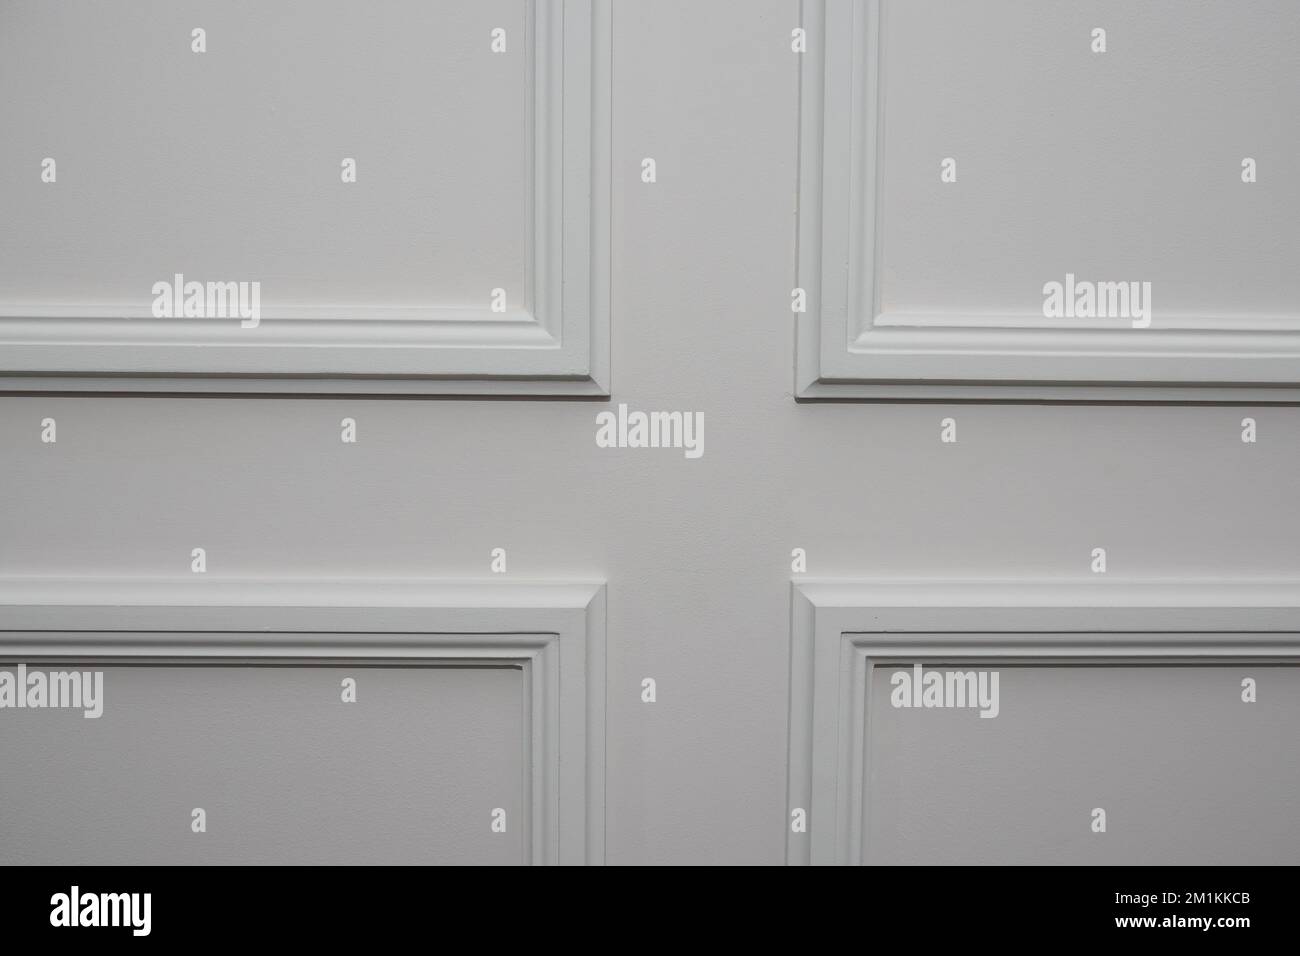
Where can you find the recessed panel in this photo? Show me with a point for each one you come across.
(1117, 166)
(1065, 722)
(284, 769)
(305, 197)
(230, 164)
(1185, 771)
(1048, 202)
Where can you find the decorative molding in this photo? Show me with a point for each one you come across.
(840, 631)
(554, 632)
(555, 343)
(847, 348)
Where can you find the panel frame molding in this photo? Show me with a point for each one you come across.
(841, 630)
(554, 342)
(555, 632)
(846, 348)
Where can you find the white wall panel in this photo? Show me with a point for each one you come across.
(1121, 170)
(1135, 733)
(475, 171)
(551, 635)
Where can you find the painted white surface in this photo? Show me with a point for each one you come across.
(1067, 165)
(465, 250)
(696, 553)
